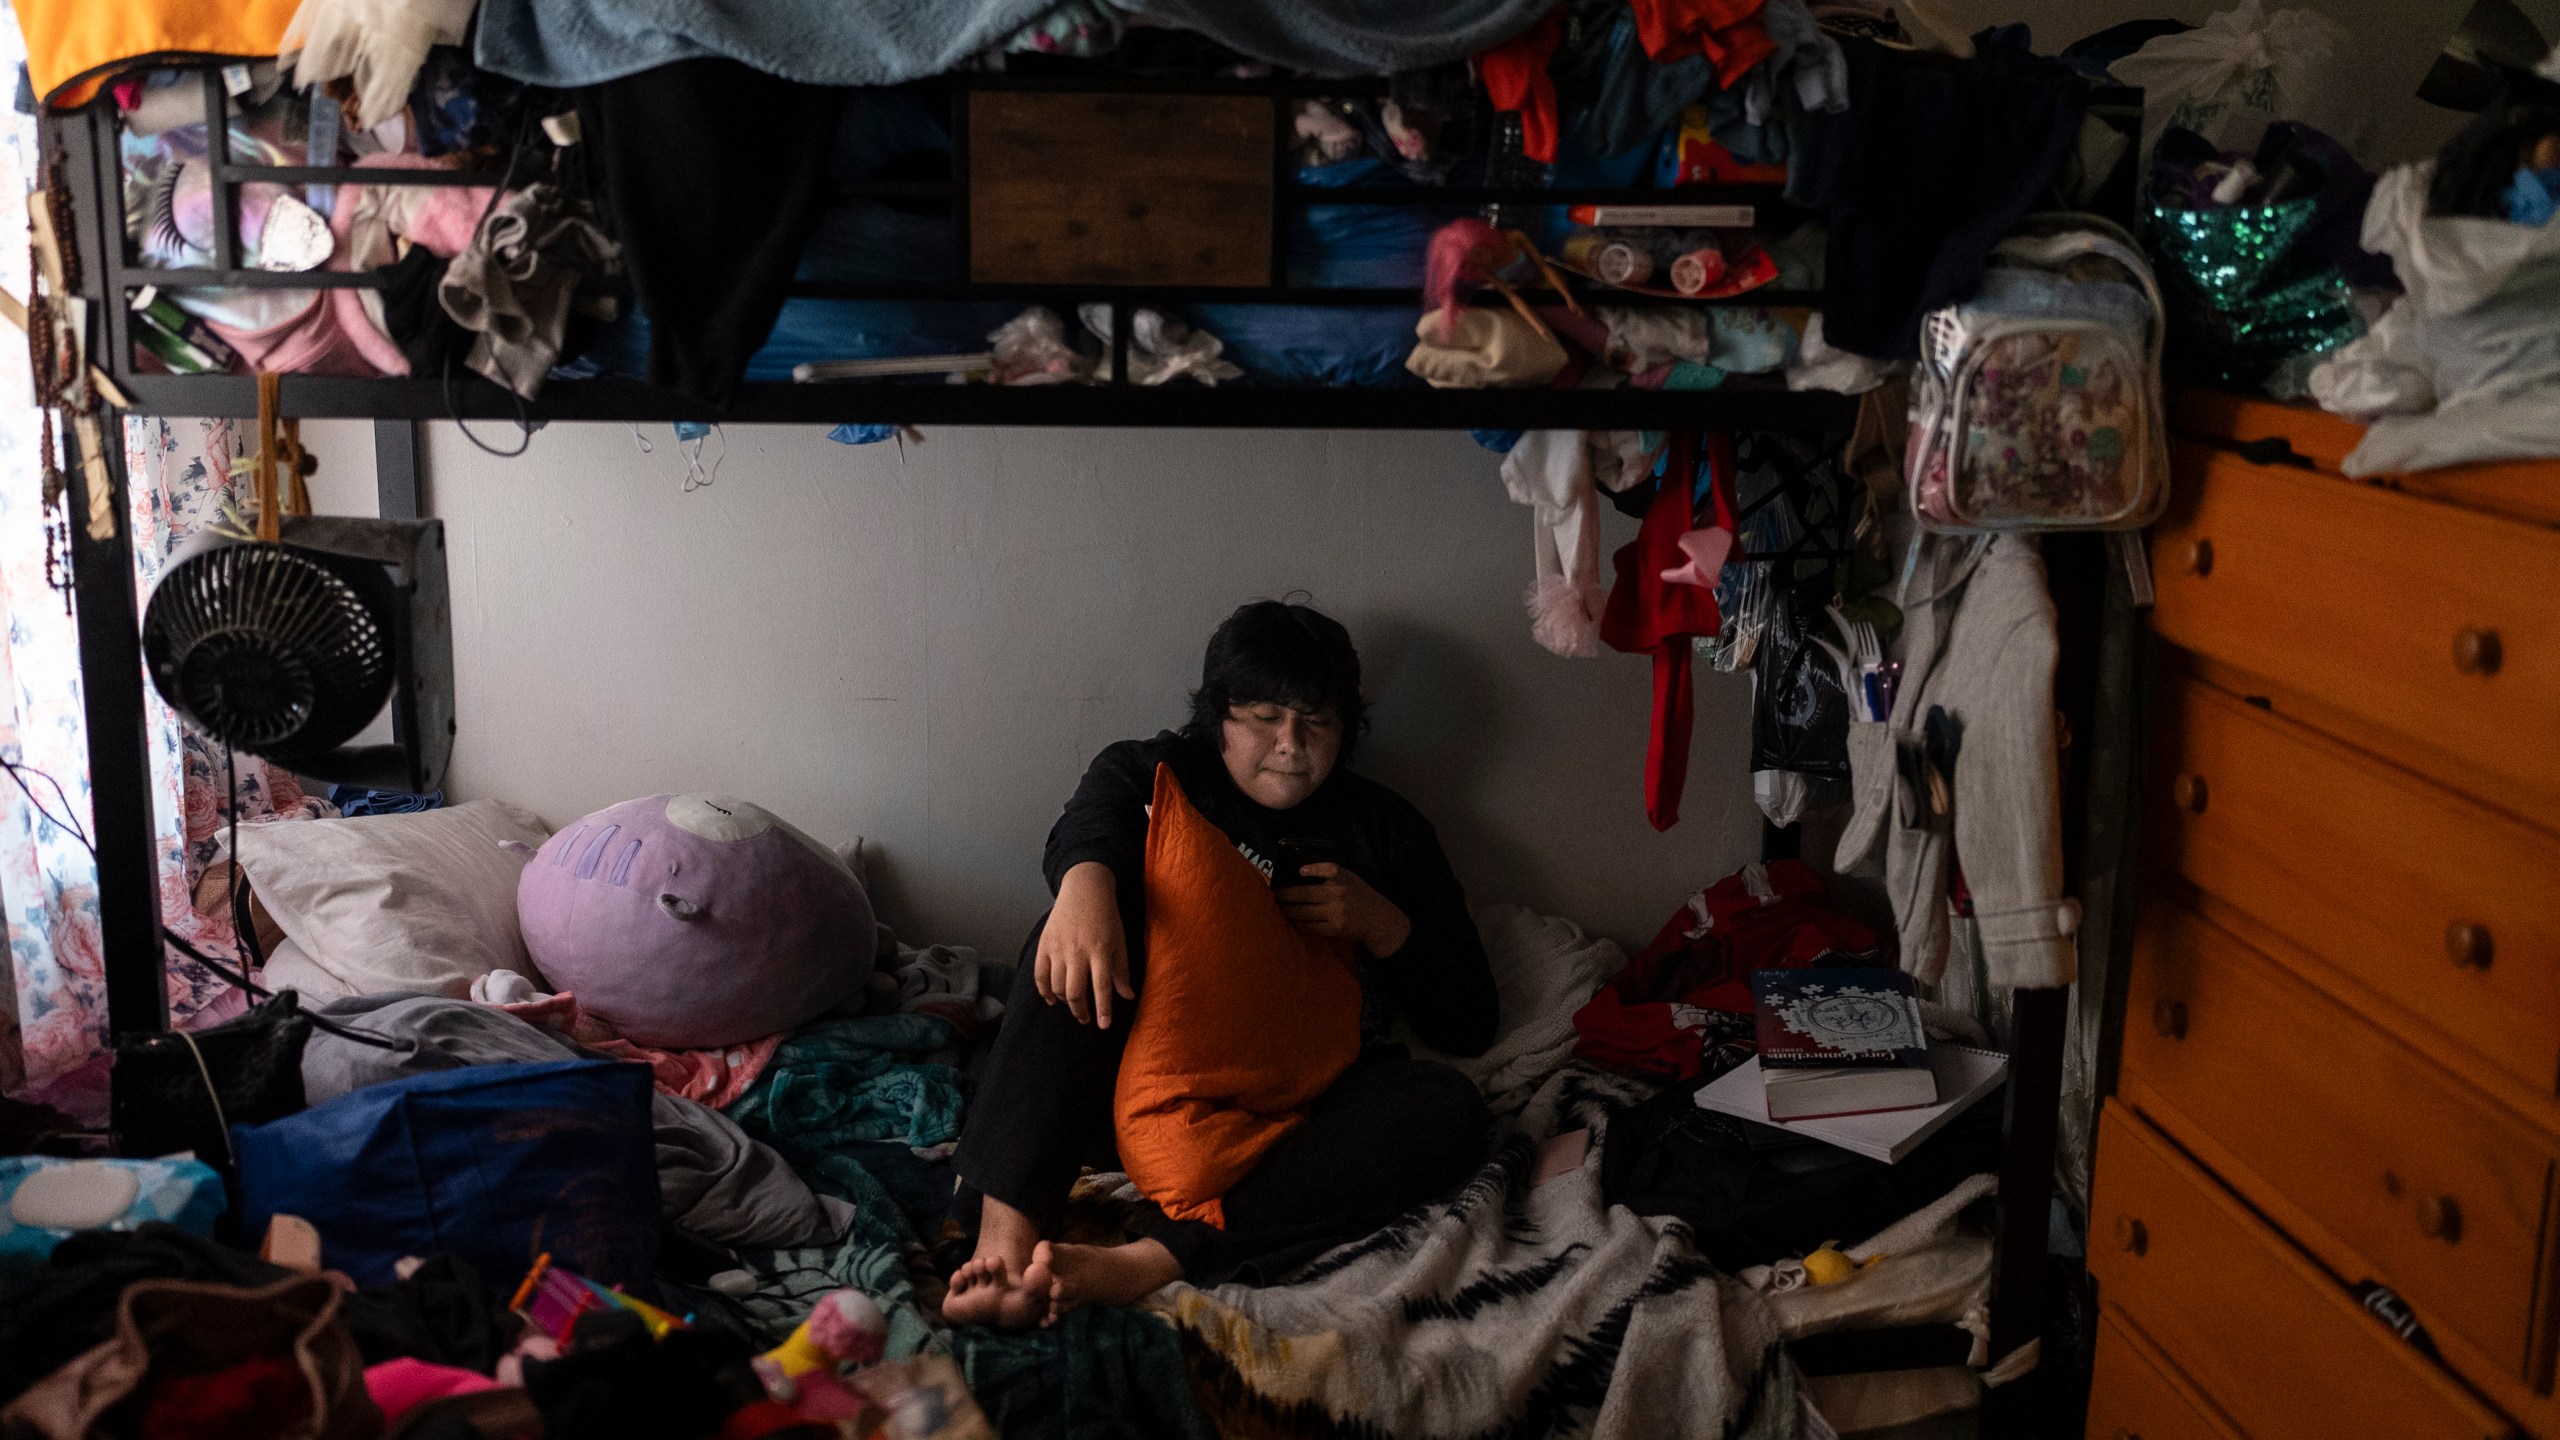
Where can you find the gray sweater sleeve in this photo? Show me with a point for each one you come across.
(1998, 680)
(1983, 651)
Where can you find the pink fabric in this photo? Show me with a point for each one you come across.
(441, 217)
(336, 333)
(713, 1077)
(334, 336)
(400, 1386)
(1705, 550)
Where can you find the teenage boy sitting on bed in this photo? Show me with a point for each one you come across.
(1263, 758)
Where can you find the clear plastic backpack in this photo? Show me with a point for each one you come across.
(2037, 404)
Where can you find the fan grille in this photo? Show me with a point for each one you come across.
(267, 648)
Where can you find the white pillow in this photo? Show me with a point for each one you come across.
(287, 968)
(423, 902)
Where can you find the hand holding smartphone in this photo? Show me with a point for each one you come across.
(1289, 869)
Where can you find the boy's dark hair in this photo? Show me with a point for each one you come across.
(1275, 651)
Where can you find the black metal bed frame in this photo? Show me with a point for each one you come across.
(84, 144)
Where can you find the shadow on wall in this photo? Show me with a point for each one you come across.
(1438, 718)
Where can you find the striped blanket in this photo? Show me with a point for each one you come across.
(1513, 1309)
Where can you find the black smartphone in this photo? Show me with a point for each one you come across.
(1296, 855)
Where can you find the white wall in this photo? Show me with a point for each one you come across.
(925, 649)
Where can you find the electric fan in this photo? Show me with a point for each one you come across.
(290, 649)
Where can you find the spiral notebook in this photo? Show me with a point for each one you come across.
(1964, 1076)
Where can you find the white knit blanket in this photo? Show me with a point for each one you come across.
(1510, 1310)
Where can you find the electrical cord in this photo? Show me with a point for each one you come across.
(18, 772)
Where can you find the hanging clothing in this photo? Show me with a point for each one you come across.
(713, 177)
(515, 284)
(1931, 162)
(74, 45)
(1515, 78)
(1550, 472)
(1649, 615)
(1727, 32)
(1806, 60)
(1975, 705)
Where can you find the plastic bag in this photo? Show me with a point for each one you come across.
(495, 1163)
(2475, 341)
(2228, 78)
(1799, 712)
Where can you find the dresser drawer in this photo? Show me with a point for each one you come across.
(2445, 908)
(2429, 621)
(2239, 1312)
(2415, 1172)
(2135, 1394)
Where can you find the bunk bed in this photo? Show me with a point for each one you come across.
(2099, 624)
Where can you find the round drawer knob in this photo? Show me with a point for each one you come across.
(2200, 556)
(2477, 652)
(2190, 792)
(2169, 1017)
(2469, 945)
(2439, 1218)
(2132, 1236)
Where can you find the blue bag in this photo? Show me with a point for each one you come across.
(495, 1163)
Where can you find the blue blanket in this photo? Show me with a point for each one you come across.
(818, 42)
(885, 42)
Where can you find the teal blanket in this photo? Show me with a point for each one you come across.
(1100, 1374)
(858, 1079)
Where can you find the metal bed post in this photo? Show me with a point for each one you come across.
(109, 625)
(110, 630)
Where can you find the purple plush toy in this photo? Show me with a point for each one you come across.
(695, 921)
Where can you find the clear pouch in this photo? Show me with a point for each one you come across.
(2047, 428)
(2045, 418)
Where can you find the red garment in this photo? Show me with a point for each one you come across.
(1757, 917)
(401, 1385)
(1515, 78)
(1727, 32)
(1650, 615)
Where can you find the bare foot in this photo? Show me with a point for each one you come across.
(1001, 1285)
(1105, 1274)
(986, 1291)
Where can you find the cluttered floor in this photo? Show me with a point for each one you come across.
(461, 1205)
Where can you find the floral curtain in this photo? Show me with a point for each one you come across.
(50, 1030)
(53, 991)
(180, 476)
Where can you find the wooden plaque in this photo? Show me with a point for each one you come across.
(1119, 189)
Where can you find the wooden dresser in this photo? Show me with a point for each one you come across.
(2341, 1047)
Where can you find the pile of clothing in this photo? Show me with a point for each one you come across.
(705, 160)
(1682, 1009)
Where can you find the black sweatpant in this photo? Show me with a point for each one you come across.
(1391, 1133)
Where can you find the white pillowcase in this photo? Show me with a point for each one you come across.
(423, 902)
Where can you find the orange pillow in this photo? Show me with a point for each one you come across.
(1244, 1020)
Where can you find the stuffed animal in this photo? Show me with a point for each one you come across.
(695, 921)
